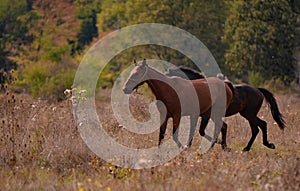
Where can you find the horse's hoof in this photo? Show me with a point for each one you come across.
(227, 149)
(246, 149)
(184, 147)
(202, 133)
(271, 146)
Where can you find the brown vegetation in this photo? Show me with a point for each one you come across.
(41, 149)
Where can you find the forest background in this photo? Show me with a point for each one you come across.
(43, 41)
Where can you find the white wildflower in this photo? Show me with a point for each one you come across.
(67, 92)
(81, 92)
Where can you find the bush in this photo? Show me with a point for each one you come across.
(278, 86)
(54, 88)
(46, 80)
(255, 79)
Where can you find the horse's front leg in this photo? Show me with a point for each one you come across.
(163, 127)
(218, 126)
(176, 122)
(193, 126)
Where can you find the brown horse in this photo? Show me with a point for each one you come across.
(180, 98)
(247, 101)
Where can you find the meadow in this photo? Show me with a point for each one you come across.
(41, 149)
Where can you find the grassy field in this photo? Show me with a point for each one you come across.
(41, 149)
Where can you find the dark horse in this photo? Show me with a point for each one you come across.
(181, 97)
(247, 100)
(184, 72)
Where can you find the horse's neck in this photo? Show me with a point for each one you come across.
(155, 81)
(154, 74)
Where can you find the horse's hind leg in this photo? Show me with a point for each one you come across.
(162, 129)
(204, 122)
(255, 131)
(224, 134)
(263, 126)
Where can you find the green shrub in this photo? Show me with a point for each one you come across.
(255, 79)
(278, 86)
(54, 88)
(34, 79)
(46, 80)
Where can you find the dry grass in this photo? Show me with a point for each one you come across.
(40, 149)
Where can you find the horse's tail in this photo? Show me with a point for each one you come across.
(277, 116)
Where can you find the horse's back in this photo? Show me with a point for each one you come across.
(249, 92)
(211, 90)
(247, 98)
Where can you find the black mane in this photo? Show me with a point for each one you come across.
(184, 72)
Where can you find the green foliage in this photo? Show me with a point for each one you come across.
(111, 16)
(205, 19)
(255, 79)
(277, 85)
(252, 41)
(10, 10)
(59, 82)
(47, 80)
(46, 67)
(86, 11)
(261, 37)
(55, 54)
(201, 18)
(12, 31)
(35, 78)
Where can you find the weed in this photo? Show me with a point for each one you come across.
(41, 149)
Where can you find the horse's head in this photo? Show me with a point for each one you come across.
(137, 77)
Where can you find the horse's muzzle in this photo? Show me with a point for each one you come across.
(127, 90)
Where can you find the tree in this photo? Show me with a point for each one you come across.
(86, 12)
(12, 31)
(205, 19)
(45, 65)
(202, 18)
(261, 37)
(111, 15)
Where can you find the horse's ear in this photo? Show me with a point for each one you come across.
(144, 62)
(134, 62)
